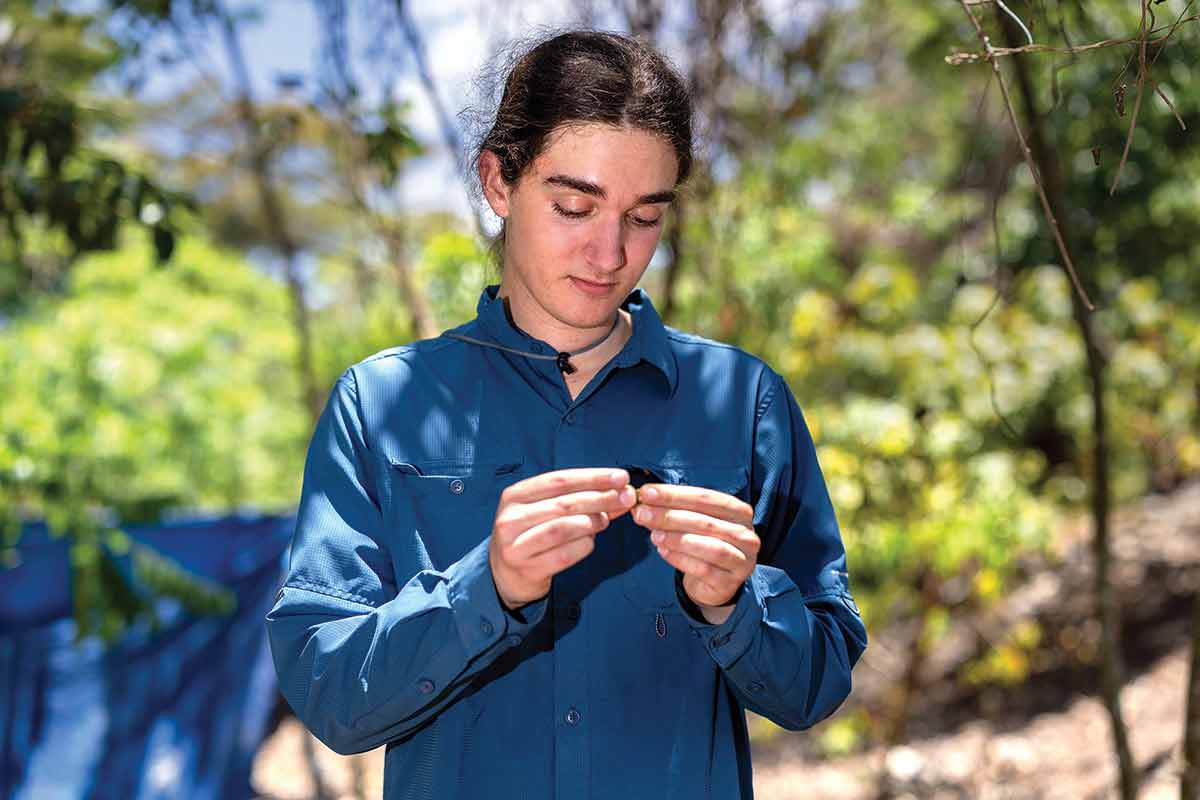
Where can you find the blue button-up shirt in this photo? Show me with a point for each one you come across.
(388, 629)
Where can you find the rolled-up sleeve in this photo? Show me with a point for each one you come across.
(369, 647)
(795, 632)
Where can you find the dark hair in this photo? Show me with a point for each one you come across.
(581, 77)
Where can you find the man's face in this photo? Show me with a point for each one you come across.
(589, 209)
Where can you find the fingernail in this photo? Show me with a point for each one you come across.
(627, 495)
(642, 514)
(619, 476)
(657, 537)
(650, 493)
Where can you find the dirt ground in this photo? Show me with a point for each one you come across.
(1065, 755)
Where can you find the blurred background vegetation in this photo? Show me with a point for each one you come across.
(194, 246)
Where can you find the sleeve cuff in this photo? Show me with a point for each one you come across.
(481, 619)
(730, 640)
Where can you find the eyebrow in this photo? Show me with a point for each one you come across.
(595, 190)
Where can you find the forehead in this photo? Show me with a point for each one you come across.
(623, 161)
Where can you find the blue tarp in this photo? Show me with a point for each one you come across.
(177, 712)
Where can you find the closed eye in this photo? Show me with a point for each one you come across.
(639, 221)
(570, 214)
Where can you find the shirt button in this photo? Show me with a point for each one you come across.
(755, 686)
(573, 717)
(573, 611)
(570, 419)
(537, 348)
(486, 627)
(457, 486)
(425, 686)
(720, 640)
(514, 640)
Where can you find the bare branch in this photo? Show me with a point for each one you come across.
(1012, 118)
(1137, 103)
(956, 59)
(412, 37)
(1170, 105)
(1001, 5)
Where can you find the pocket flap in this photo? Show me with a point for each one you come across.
(466, 479)
(452, 468)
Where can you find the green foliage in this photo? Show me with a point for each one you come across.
(52, 178)
(872, 233)
(143, 391)
(117, 582)
(390, 143)
(944, 380)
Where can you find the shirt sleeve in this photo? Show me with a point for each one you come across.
(795, 632)
(370, 644)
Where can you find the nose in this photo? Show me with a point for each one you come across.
(606, 247)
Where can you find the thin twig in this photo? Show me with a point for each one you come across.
(1174, 26)
(970, 58)
(987, 365)
(1012, 118)
(1137, 103)
(1170, 105)
(1001, 5)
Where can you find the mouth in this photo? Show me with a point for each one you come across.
(591, 287)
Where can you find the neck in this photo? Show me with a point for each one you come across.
(527, 315)
(568, 338)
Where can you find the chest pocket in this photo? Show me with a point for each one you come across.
(648, 581)
(444, 508)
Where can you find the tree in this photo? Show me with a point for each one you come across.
(62, 194)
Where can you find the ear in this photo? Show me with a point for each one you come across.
(494, 188)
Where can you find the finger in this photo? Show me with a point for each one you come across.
(553, 534)
(554, 561)
(697, 498)
(564, 481)
(706, 593)
(698, 568)
(522, 516)
(684, 521)
(715, 551)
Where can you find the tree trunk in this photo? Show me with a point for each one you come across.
(449, 130)
(675, 245)
(1111, 670)
(273, 217)
(424, 320)
(358, 173)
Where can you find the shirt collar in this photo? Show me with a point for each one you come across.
(649, 342)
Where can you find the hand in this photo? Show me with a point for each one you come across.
(705, 534)
(547, 523)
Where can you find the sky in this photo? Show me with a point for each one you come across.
(460, 37)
